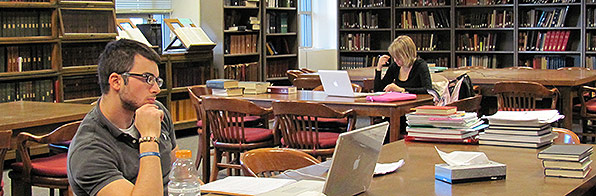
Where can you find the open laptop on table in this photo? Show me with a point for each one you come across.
(352, 165)
(337, 83)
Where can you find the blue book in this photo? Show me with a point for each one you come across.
(222, 83)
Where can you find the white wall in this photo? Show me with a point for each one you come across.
(323, 55)
(186, 9)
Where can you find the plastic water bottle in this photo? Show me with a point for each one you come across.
(184, 178)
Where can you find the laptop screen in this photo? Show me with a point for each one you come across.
(336, 83)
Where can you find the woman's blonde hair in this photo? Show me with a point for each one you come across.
(403, 48)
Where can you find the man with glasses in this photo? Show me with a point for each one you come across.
(124, 144)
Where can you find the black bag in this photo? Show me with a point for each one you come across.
(466, 89)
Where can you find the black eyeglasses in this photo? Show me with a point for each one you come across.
(149, 78)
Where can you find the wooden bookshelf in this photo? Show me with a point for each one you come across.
(280, 42)
(501, 26)
(242, 40)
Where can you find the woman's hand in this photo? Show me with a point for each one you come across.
(382, 61)
(393, 88)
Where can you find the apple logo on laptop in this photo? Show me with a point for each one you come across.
(356, 163)
(335, 84)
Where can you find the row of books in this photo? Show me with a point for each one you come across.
(443, 124)
(354, 62)
(233, 20)
(189, 73)
(489, 61)
(80, 87)
(494, 19)
(549, 62)
(86, 21)
(544, 17)
(529, 129)
(477, 42)
(360, 20)
(355, 42)
(591, 62)
(281, 3)
(77, 54)
(242, 71)
(22, 24)
(416, 3)
(570, 161)
(591, 17)
(362, 3)
(241, 44)
(278, 67)
(423, 19)
(483, 2)
(543, 41)
(546, 1)
(426, 41)
(35, 90)
(278, 22)
(591, 41)
(30, 57)
(247, 3)
(182, 110)
(438, 61)
(278, 46)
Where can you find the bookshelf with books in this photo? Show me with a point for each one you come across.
(280, 38)
(242, 39)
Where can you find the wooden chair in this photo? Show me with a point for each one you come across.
(574, 68)
(226, 118)
(5, 137)
(470, 104)
(587, 113)
(298, 122)
(565, 136)
(293, 74)
(307, 70)
(268, 162)
(523, 95)
(307, 83)
(49, 172)
(357, 88)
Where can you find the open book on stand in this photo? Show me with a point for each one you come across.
(189, 37)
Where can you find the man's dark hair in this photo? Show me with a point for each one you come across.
(118, 57)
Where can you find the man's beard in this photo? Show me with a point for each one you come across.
(127, 103)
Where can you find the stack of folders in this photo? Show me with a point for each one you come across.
(443, 124)
(253, 88)
(225, 87)
(529, 129)
(570, 161)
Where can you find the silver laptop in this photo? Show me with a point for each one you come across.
(337, 83)
(352, 165)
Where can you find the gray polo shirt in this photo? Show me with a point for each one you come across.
(100, 153)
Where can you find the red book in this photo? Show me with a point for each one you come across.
(281, 89)
(565, 39)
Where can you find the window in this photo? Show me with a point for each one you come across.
(142, 11)
(305, 14)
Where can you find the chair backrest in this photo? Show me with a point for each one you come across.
(520, 67)
(293, 74)
(574, 68)
(307, 70)
(194, 93)
(565, 136)
(61, 134)
(226, 117)
(307, 83)
(298, 122)
(523, 95)
(268, 162)
(357, 88)
(470, 104)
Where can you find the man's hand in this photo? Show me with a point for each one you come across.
(393, 88)
(382, 61)
(148, 120)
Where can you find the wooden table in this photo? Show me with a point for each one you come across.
(567, 81)
(394, 110)
(524, 173)
(37, 117)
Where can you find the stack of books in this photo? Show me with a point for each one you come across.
(530, 129)
(443, 124)
(225, 87)
(253, 88)
(570, 161)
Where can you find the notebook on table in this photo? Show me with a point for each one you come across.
(352, 166)
(337, 83)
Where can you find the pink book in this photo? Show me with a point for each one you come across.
(392, 96)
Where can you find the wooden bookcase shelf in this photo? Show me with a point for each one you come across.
(454, 38)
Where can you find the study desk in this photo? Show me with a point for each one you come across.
(525, 175)
(567, 81)
(37, 118)
(394, 110)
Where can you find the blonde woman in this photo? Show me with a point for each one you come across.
(407, 72)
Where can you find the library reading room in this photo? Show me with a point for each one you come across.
(297, 97)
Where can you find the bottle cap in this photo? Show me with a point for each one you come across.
(183, 154)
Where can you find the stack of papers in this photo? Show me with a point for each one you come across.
(531, 129)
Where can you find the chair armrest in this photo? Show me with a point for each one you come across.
(591, 92)
(23, 151)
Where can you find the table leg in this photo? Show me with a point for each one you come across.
(394, 124)
(566, 106)
(206, 163)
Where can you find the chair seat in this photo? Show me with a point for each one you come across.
(54, 166)
(590, 106)
(326, 139)
(248, 119)
(255, 134)
(338, 121)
